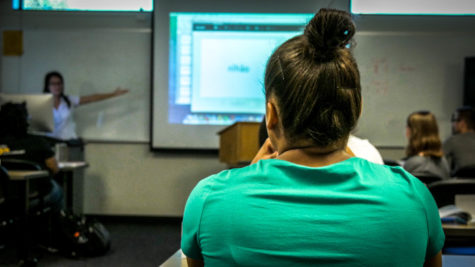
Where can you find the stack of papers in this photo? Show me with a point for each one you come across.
(451, 214)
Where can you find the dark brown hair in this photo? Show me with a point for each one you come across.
(467, 115)
(315, 80)
(424, 135)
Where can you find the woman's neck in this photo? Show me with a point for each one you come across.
(57, 101)
(314, 156)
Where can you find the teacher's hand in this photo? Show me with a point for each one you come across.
(265, 152)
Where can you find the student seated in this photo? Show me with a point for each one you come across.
(13, 133)
(424, 149)
(460, 147)
(310, 203)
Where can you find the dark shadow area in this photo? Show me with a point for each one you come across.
(136, 241)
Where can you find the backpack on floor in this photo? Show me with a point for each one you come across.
(80, 237)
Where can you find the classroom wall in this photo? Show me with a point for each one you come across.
(129, 179)
(124, 178)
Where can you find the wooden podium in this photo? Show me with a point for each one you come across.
(239, 143)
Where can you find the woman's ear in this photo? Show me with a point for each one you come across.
(272, 123)
(272, 118)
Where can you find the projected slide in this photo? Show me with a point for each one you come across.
(410, 7)
(217, 64)
(75, 5)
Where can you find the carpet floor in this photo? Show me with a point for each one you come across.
(134, 242)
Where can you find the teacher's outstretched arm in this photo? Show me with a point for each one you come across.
(100, 97)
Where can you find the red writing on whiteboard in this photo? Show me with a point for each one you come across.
(380, 87)
(380, 65)
(406, 68)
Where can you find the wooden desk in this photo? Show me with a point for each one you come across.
(453, 230)
(67, 169)
(176, 260)
(459, 236)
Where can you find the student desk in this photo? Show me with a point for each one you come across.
(67, 169)
(458, 236)
(452, 230)
(176, 260)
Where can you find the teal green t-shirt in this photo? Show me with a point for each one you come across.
(277, 213)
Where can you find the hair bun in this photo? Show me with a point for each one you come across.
(328, 31)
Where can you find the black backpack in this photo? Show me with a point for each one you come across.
(77, 236)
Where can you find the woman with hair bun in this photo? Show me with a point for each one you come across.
(310, 203)
(424, 150)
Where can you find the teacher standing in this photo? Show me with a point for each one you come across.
(64, 126)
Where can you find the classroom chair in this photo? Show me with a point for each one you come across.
(428, 179)
(444, 191)
(467, 172)
(24, 165)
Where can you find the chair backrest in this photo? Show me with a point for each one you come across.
(428, 179)
(14, 189)
(466, 172)
(20, 164)
(444, 191)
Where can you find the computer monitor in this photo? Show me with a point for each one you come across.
(39, 106)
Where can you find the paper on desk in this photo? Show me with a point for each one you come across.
(467, 204)
(449, 210)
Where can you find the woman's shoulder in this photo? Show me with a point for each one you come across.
(414, 162)
(74, 99)
(416, 159)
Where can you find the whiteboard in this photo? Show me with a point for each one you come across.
(95, 61)
(402, 72)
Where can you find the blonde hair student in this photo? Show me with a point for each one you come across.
(424, 149)
(310, 203)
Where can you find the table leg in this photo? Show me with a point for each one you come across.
(66, 184)
(24, 246)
